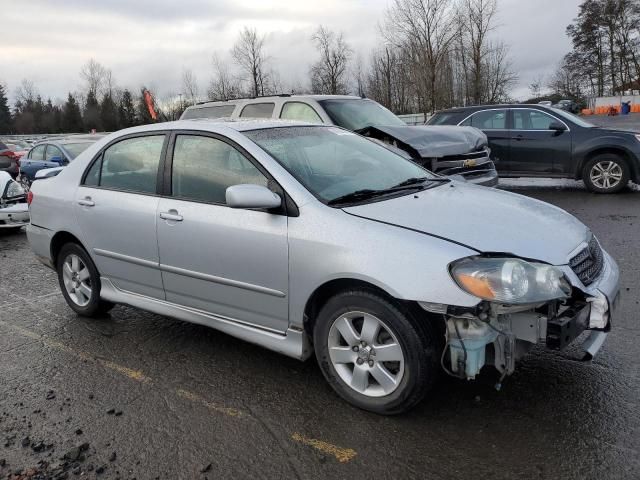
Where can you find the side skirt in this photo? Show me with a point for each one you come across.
(294, 343)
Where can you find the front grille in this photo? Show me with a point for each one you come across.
(587, 264)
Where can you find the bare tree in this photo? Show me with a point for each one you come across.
(248, 53)
(328, 74)
(26, 92)
(190, 86)
(223, 86)
(499, 74)
(426, 29)
(535, 87)
(94, 76)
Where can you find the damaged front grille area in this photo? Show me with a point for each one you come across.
(588, 263)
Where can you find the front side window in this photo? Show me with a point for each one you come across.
(524, 119)
(53, 151)
(299, 111)
(37, 153)
(204, 167)
(258, 110)
(487, 120)
(130, 165)
(331, 162)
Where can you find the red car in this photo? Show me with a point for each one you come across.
(10, 160)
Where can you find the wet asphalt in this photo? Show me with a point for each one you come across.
(137, 395)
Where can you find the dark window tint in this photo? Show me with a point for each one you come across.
(132, 164)
(53, 151)
(488, 120)
(258, 110)
(204, 167)
(531, 120)
(37, 153)
(444, 119)
(217, 111)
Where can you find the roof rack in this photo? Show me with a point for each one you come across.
(246, 98)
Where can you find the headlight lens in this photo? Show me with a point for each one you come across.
(14, 190)
(510, 280)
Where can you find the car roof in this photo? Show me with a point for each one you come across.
(272, 98)
(490, 107)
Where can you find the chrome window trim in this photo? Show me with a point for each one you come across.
(538, 130)
(482, 111)
(459, 124)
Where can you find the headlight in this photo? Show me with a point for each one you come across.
(14, 190)
(510, 280)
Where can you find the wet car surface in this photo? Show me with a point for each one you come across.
(147, 396)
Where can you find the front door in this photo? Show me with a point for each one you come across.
(493, 123)
(116, 207)
(535, 149)
(225, 261)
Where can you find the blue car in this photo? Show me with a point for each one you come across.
(52, 153)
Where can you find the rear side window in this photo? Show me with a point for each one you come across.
(217, 111)
(204, 167)
(37, 153)
(488, 120)
(299, 111)
(444, 119)
(258, 110)
(524, 119)
(130, 164)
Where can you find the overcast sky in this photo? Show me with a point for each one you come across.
(152, 41)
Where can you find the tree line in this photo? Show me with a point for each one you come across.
(605, 55)
(432, 54)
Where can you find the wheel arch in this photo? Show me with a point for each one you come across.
(59, 240)
(612, 150)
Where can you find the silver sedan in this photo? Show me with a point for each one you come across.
(303, 237)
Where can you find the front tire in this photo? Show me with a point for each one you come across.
(375, 354)
(606, 173)
(80, 281)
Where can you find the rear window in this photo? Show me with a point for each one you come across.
(75, 149)
(217, 111)
(258, 110)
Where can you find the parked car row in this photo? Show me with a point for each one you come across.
(304, 236)
(542, 141)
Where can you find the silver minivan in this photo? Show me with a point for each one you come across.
(302, 237)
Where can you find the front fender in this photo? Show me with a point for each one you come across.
(609, 143)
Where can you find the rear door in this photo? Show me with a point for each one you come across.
(230, 262)
(116, 207)
(494, 123)
(33, 162)
(535, 149)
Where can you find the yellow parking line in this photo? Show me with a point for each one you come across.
(343, 455)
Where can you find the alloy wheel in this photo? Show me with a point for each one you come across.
(606, 174)
(366, 354)
(77, 280)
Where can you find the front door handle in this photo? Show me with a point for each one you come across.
(86, 202)
(171, 215)
(519, 137)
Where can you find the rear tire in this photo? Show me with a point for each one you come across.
(606, 173)
(80, 281)
(375, 354)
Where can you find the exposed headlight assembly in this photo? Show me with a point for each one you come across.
(14, 190)
(510, 280)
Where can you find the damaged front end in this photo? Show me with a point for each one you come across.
(14, 211)
(499, 331)
(453, 151)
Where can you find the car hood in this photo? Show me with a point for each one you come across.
(486, 220)
(432, 141)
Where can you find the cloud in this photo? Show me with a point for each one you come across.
(150, 42)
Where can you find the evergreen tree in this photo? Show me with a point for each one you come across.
(5, 114)
(71, 117)
(109, 113)
(91, 117)
(126, 110)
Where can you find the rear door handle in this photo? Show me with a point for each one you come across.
(86, 202)
(171, 215)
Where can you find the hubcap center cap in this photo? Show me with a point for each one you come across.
(365, 353)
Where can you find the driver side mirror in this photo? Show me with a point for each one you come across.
(251, 196)
(57, 159)
(557, 126)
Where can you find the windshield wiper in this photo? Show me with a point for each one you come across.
(419, 180)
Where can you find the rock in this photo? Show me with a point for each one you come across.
(38, 447)
(79, 431)
(100, 469)
(118, 413)
(112, 458)
(111, 411)
(84, 447)
(51, 395)
(73, 454)
(25, 442)
(206, 469)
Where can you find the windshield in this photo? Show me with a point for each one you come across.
(356, 114)
(76, 149)
(331, 162)
(572, 118)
